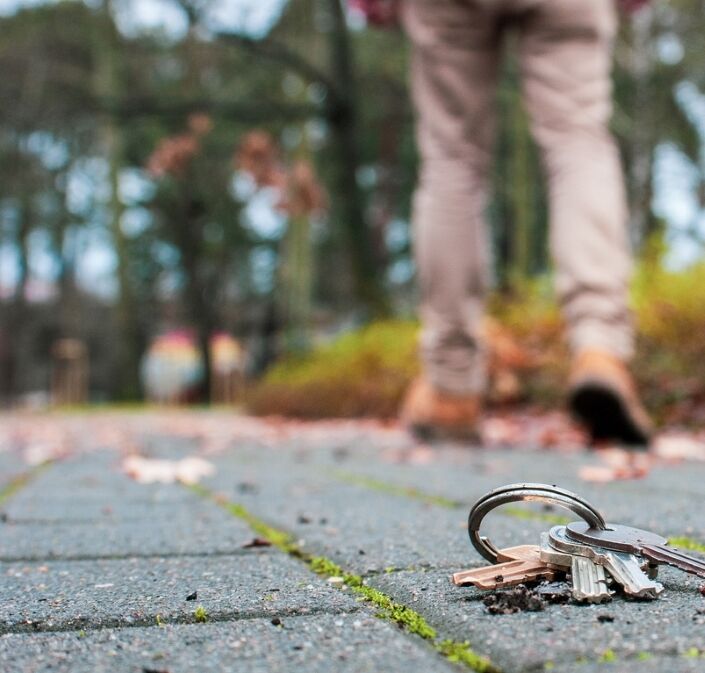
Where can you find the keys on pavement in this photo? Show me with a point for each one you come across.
(588, 578)
(520, 564)
(646, 544)
(623, 568)
(596, 556)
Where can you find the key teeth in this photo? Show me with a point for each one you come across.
(626, 571)
(589, 581)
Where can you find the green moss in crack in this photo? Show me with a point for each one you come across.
(200, 615)
(393, 489)
(20, 481)
(687, 544)
(464, 654)
(692, 653)
(607, 657)
(387, 608)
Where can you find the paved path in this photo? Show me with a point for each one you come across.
(98, 572)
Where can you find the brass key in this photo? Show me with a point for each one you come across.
(520, 564)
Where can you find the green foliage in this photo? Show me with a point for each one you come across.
(363, 373)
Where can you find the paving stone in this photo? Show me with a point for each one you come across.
(90, 594)
(11, 467)
(673, 664)
(94, 475)
(205, 531)
(345, 643)
(463, 476)
(561, 633)
(363, 530)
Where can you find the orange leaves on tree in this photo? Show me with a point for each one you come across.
(300, 191)
(174, 154)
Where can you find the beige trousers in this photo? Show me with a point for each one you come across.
(565, 56)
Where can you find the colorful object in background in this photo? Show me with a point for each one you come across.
(378, 12)
(172, 368)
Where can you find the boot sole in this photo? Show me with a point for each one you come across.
(606, 415)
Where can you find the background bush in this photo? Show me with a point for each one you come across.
(365, 372)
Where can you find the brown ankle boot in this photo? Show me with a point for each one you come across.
(430, 413)
(603, 395)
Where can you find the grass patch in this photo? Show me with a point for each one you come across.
(686, 544)
(200, 615)
(387, 608)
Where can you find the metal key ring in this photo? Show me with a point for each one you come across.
(526, 492)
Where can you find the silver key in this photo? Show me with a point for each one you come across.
(646, 544)
(624, 568)
(589, 579)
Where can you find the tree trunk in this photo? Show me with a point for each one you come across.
(344, 126)
(129, 339)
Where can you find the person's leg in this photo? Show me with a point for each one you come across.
(455, 54)
(566, 51)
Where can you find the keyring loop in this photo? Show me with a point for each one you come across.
(526, 492)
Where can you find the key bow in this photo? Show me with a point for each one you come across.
(545, 493)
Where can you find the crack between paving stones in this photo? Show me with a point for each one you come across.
(128, 557)
(682, 542)
(410, 621)
(18, 483)
(609, 659)
(118, 623)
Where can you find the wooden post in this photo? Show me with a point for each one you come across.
(69, 377)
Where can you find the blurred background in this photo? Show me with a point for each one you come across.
(207, 201)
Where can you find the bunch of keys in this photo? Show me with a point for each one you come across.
(595, 554)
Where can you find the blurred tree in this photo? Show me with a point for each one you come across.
(197, 215)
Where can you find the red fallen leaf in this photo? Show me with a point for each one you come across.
(257, 542)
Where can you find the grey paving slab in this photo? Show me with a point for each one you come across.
(366, 531)
(90, 594)
(662, 501)
(561, 634)
(205, 531)
(345, 643)
(684, 663)
(11, 467)
(94, 475)
(655, 502)
(399, 532)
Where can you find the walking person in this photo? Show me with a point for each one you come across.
(565, 54)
